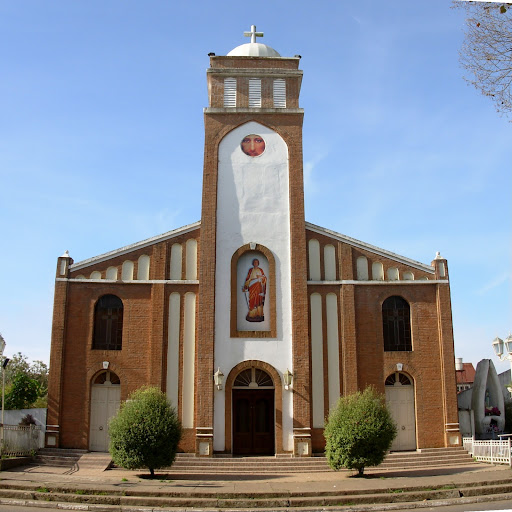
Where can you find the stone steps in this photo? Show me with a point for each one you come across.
(188, 463)
(224, 464)
(58, 457)
(125, 498)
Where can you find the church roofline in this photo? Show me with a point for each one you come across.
(138, 245)
(312, 227)
(367, 247)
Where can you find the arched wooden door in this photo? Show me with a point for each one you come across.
(105, 402)
(400, 401)
(253, 413)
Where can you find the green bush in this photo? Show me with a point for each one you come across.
(359, 431)
(23, 392)
(145, 432)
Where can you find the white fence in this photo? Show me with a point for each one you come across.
(495, 452)
(20, 440)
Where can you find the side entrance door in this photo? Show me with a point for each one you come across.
(105, 401)
(253, 422)
(400, 401)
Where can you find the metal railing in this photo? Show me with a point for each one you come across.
(495, 452)
(20, 440)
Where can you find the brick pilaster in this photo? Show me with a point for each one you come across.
(55, 379)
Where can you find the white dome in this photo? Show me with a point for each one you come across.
(253, 50)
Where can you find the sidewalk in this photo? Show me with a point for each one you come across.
(118, 480)
(91, 487)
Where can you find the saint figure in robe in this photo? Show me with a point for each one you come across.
(255, 288)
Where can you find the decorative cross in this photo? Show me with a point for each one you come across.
(253, 34)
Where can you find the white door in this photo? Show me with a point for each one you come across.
(400, 401)
(105, 401)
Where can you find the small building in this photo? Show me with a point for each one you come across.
(465, 374)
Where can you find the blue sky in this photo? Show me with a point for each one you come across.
(101, 140)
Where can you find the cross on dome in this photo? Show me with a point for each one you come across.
(253, 34)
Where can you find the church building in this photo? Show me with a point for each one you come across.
(252, 321)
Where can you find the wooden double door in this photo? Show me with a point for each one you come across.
(253, 422)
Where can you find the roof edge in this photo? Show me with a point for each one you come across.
(138, 245)
(372, 248)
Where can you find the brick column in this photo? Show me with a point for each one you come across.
(300, 310)
(52, 437)
(447, 354)
(348, 339)
(158, 328)
(205, 326)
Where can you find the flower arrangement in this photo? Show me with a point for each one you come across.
(492, 411)
(493, 429)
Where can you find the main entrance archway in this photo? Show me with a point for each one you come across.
(255, 428)
(105, 401)
(400, 401)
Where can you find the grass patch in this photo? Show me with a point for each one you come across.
(42, 489)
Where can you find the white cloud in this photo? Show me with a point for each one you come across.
(497, 281)
(310, 186)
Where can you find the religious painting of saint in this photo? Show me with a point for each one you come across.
(253, 145)
(255, 289)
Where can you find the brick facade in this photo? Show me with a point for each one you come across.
(74, 364)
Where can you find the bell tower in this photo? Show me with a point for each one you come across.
(253, 232)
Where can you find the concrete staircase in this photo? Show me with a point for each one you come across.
(434, 457)
(187, 463)
(58, 457)
(427, 457)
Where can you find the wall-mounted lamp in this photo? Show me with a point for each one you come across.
(218, 378)
(288, 379)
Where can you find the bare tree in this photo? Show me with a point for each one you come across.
(486, 52)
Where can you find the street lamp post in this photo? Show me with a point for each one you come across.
(4, 364)
(503, 349)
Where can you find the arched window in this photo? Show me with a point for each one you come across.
(108, 323)
(253, 378)
(396, 324)
(398, 379)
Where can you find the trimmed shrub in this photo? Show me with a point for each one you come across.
(145, 432)
(359, 431)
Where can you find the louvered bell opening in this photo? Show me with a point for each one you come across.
(255, 92)
(279, 93)
(230, 92)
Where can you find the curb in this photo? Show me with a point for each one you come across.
(357, 508)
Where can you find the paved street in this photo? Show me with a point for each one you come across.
(487, 506)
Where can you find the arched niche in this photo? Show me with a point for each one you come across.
(143, 268)
(112, 273)
(393, 274)
(127, 271)
(362, 268)
(176, 262)
(377, 271)
(314, 260)
(330, 262)
(251, 263)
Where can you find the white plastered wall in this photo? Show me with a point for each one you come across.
(253, 206)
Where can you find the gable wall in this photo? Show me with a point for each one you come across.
(142, 360)
(362, 359)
